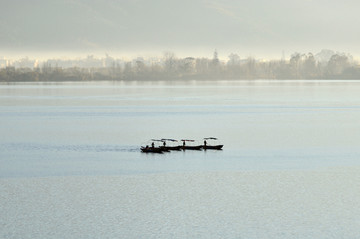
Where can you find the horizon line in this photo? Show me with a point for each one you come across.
(147, 55)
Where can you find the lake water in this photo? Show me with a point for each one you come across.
(71, 166)
(96, 128)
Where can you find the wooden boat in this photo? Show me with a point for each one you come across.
(170, 147)
(159, 148)
(214, 147)
(190, 147)
(151, 150)
(198, 147)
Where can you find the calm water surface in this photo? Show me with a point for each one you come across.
(96, 128)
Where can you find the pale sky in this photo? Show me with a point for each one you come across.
(261, 28)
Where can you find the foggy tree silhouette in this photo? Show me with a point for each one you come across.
(170, 67)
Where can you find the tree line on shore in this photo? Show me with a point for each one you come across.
(324, 65)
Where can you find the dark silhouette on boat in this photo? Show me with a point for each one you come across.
(153, 149)
(171, 148)
(160, 149)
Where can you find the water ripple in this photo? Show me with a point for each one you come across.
(68, 147)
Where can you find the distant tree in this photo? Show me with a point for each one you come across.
(202, 67)
(233, 66)
(215, 60)
(141, 69)
(128, 72)
(295, 64)
(170, 63)
(336, 65)
(187, 67)
(250, 67)
(281, 69)
(352, 72)
(324, 56)
(309, 67)
(215, 68)
(234, 59)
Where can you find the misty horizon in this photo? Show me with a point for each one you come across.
(224, 57)
(326, 64)
(127, 56)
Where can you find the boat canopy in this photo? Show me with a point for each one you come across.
(172, 140)
(213, 138)
(188, 140)
(157, 140)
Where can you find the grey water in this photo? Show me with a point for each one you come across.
(97, 128)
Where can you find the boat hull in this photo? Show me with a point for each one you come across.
(152, 150)
(171, 148)
(191, 147)
(214, 147)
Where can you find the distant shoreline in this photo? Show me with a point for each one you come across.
(179, 80)
(324, 65)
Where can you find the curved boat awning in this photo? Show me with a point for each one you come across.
(172, 140)
(156, 140)
(213, 138)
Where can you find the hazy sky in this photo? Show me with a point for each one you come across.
(262, 28)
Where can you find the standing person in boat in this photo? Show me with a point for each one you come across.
(184, 143)
(152, 145)
(164, 143)
(205, 143)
